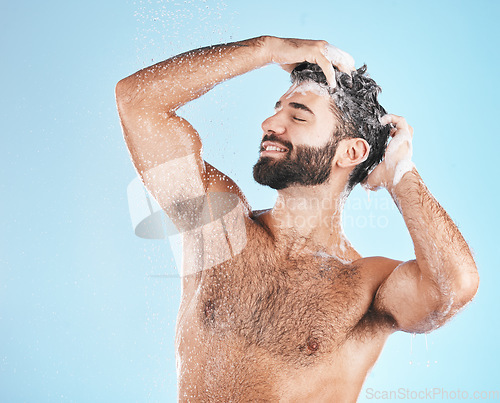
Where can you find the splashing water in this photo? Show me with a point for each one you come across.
(418, 355)
(166, 27)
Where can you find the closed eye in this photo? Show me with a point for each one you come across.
(298, 119)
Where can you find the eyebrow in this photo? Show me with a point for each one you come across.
(295, 105)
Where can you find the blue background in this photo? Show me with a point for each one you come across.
(87, 309)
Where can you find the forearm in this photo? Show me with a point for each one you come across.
(441, 252)
(182, 78)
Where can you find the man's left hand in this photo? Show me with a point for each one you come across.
(397, 157)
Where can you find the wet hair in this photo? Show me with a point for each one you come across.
(355, 105)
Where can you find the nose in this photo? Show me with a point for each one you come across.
(273, 124)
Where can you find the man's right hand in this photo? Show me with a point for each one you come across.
(289, 53)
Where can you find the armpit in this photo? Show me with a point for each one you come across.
(211, 223)
(219, 236)
(175, 181)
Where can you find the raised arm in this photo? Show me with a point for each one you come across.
(166, 149)
(424, 293)
(204, 204)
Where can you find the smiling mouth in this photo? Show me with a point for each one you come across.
(274, 148)
(269, 147)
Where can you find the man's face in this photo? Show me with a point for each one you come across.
(297, 146)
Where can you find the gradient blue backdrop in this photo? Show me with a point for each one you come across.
(87, 309)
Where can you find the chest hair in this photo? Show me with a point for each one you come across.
(297, 308)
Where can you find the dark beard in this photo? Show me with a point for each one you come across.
(309, 166)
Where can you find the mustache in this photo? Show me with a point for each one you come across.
(274, 138)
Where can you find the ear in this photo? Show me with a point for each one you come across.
(352, 152)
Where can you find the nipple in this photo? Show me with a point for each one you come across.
(312, 345)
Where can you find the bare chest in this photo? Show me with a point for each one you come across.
(294, 309)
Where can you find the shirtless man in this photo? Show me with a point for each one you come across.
(277, 305)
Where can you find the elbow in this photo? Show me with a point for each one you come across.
(128, 94)
(119, 89)
(122, 93)
(449, 302)
(467, 285)
(470, 285)
(131, 96)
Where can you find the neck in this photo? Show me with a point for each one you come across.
(312, 213)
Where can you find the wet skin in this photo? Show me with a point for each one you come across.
(278, 323)
(277, 305)
(281, 321)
